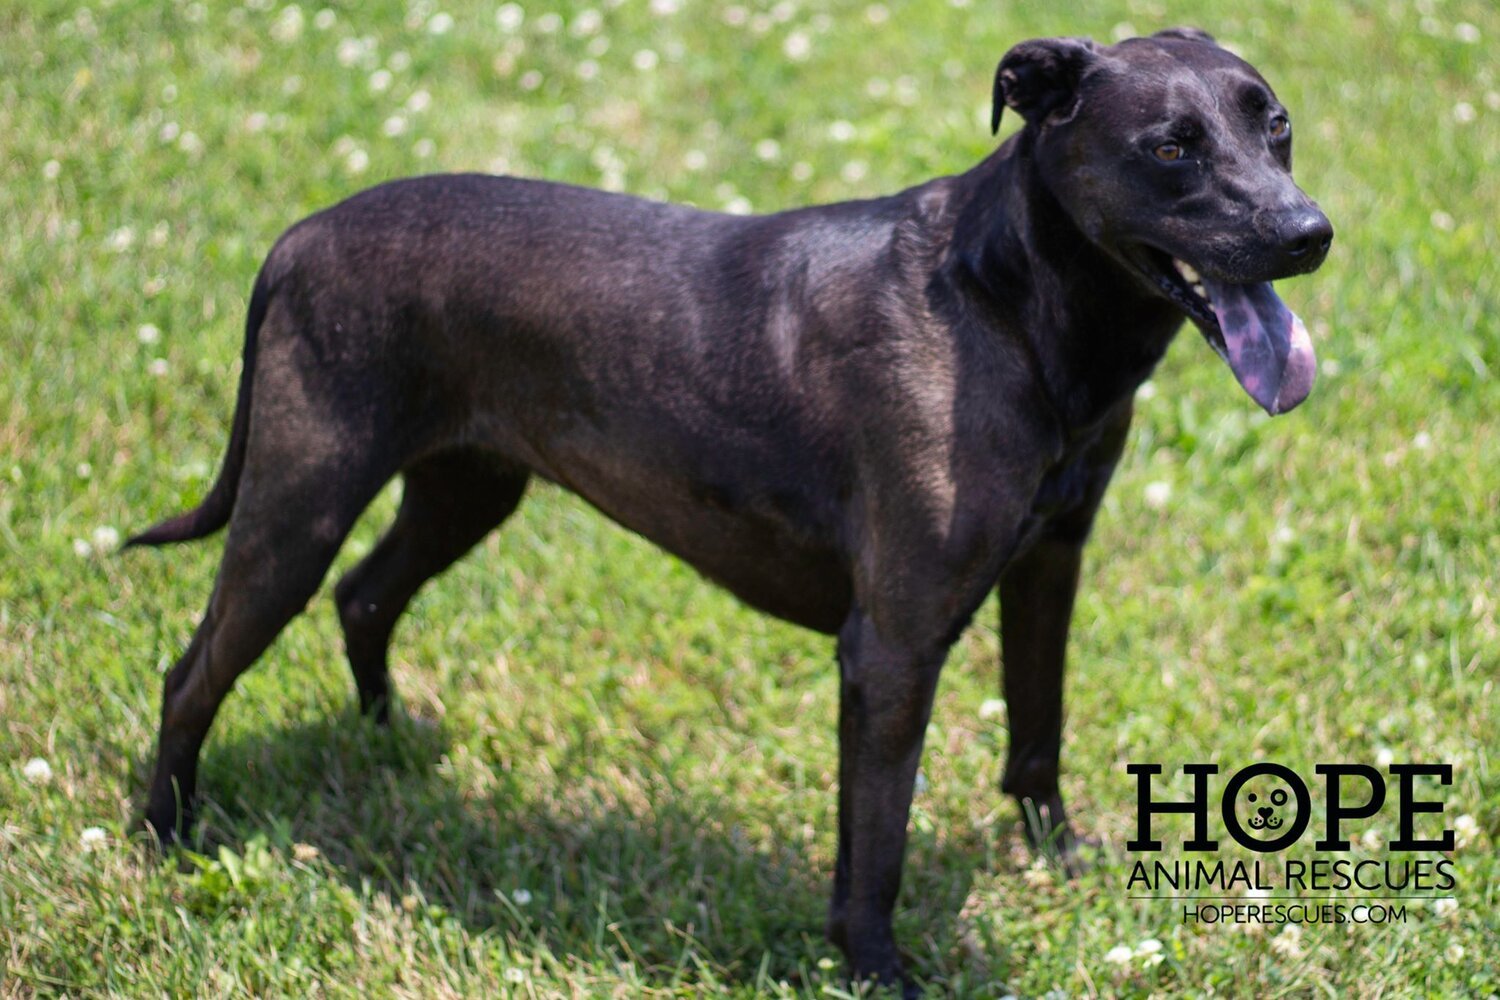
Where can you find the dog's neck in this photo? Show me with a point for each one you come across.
(1093, 331)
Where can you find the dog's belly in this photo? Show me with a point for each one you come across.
(760, 546)
(756, 512)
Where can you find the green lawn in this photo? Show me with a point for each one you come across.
(609, 778)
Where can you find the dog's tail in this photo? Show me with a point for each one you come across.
(213, 513)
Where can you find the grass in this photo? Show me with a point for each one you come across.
(612, 780)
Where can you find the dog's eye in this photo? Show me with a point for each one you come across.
(1168, 152)
(1280, 127)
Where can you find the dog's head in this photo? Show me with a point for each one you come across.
(1174, 156)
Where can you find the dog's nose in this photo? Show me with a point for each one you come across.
(1305, 238)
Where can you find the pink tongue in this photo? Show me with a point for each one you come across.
(1265, 344)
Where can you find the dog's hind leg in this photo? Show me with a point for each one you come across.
(449, 502)
(289, 519)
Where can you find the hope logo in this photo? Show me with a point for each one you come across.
(1267, 807)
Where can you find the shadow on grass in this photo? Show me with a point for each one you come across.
(609, 880)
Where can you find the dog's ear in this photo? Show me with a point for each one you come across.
(1187, 34)
(1040, 77)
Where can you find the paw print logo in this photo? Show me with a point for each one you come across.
(1266, 817)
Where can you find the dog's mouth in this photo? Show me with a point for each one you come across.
(1264, 343)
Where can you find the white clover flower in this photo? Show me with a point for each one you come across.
(1465, 831)
(738, 205)
(1288, 943)
(1445, 907)
(1036, 878)
(148, 334)
(121, 239)
(586, 22)
(324, 19)
(349, 51)
(81, 548)
(665, 8)
(1492, 99)
(393, 126)
(515, 975)
(549, 23)
(840, 131)
(399, 62)
(92, 838)
(1466, 32)
(1464, 113)
(1454, 954)
(1442, 220)
(424, 148)
(158, 367)
(530, 80)
(992, 708)
(798, 46)
(1119, 954)
(1371, 840)
(521, 896)
(1422, 441)
(256, 121)
(418, 102)
(768, 149)
(1158, 493)
(509, 17)
(1150, 946)
(357, 162)
(735, 16)
(84, 470)
(287, 27)
(440, 24)
(694, 160)
(854, 171)
(37, 771)
(1122, 31)
(645, 60)
(1385, 757)
(380, 81)
(877, 13)
(1146, 391)
(51, 170)
(802, 171)
(105, 538)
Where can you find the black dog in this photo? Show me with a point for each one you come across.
(858, 417)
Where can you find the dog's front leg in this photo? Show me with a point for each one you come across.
(885, 698)
(1036, 603)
